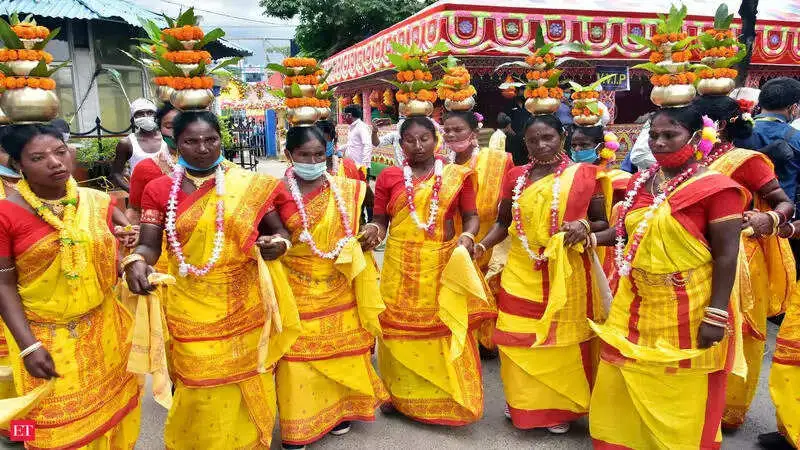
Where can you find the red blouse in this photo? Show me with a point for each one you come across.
(20, 228)
(155, 198)
(753, 174)
(391, 183)
(145, 172)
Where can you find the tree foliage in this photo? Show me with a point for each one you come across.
(329, 26)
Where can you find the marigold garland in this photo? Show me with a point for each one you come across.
(659, 39)
(718, 52)
(185, 33)
(25, 55)
(585, 95)
(543, 92)
(181, 83)
(30, 31)
(422, 95)
(188, 56)
(299, 62)
(720, 35)
(307, 101)
(669, 80)
(31, 82)
(414, 75)
(301, 79)
(677, 56)
(535, 60)
(718, 73)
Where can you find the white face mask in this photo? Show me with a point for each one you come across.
(146, 123)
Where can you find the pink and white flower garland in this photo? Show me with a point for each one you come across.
(473, 160)
(624, 261)
(305, 235)
(430, 225)
(185, 268)
(538, 258)
(334, 165)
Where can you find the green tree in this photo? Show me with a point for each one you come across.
(329, 26)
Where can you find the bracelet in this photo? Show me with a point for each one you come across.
(593, 240)
(377, 228)
(8, 269)
(130, 259)
(776, 221)
(714, 323)
(783, 216)
(794, 230)
(716, 311)
(286, 242)
(469, 235)
(586, 225)
(30, 349)
(480, 244)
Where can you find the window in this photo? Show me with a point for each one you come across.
(115, 112)
(65, 91)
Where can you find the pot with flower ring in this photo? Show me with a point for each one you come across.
(29, 104)
(187, 68)
(464, 105)
(587, 121)
(542, 105)
(306, 90)
(164, 93)
(715, 86)
(192, 99)
(189, 45)
(302, 116)
(673, 96)
(29, 43)
(22, 68)
(419, 108)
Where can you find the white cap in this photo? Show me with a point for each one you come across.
(142, 104)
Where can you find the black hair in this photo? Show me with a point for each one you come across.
(355, 111)
(163, 111)
(687, 116)
(779, 93)
(547, 119)
(296, 137)
(721, 108)
(327, 128)
(467, 116)
(60, 125)
(16, 137)
(186, 118)
(417, 120)
(595, 133)
(503, 120)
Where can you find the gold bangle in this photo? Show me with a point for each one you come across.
(586, 225)
(130, 259)
(377, 228)
(776, 221)
(593, 240)
(469, 235)
(286, 242)
(480, 244)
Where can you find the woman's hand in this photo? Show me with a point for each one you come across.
(40, 364)
(467, 242)
(761, 223)
(478, 251)
(708, 335)
(271, 247)
(575, 233)
(127, 236)
(136, 274)
(371, 237)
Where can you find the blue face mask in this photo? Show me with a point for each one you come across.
(8, 173)
(588, 155)
(329, 149)
(310, 172)
(182, 162)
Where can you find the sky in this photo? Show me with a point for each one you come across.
(242, 21)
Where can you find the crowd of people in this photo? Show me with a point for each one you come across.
(638, 300)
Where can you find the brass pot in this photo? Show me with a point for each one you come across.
(164, 93)
(22, 68)
(673, 96)
(418, 108)
(540, 66)
(306, 90)
(716, 86)
(4, 119)
(542, 105)
(29, 105)
(302, 116)
(587, 121)
(324, 113)
(464, 105)
(402, 109)
(187, 68)
(189, 45)
(188, 99)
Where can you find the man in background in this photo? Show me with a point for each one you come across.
(145, 142)
(359, 137)
(499, 137)
(516, 142)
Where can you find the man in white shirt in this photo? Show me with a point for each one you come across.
(641, 155)
(359, 138)
(389, 139)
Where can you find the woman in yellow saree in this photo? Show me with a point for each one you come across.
(217, 312)
(547, 288)
(769, 259)
(433, 291)
(490, 166)
(326, 379)
(8, 178)
(58, 267)
(674, 329)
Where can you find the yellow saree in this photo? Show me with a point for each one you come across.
(546, 357)
(327, 376)
(95, 402)
(770, 264)
(784, 377)
(218, 323)
(434, 294)
(6, 378)
(655, 389)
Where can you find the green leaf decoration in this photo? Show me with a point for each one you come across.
(199, 71)
(399, 48)
(14, 18)
(593, 107)
(728, 62)
(187, 18)
(451, 62)
(277, 93)
(324, 77)
(539, 38)
(399, 63)
(415, 64)
(280, 69)
(296, 92)
(696, 67)
(6, 70)
(599, 81)
(683, 44)
(440, 47)
(722, 20)
(650, 67)
(545, 49)
(209, 37)
(29, 19)
(40, 70)
(53, 70)
(168, 19)
(172, 43)
(575, 86)
(8, 36)
(226, 63)
(707, 41)
(169, 66)
(553, 80)
(415, 50)
(40, 45)
(642, 41)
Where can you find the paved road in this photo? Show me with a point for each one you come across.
(492, 432)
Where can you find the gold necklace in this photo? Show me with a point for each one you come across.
(198, 181)
(57, 207)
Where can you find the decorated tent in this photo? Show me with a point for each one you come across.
(485, 34)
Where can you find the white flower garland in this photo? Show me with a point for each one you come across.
(473, 159)
(305, 235)
(438, 167)
(185, 268)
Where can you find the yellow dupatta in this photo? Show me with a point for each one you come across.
(417, 283)
(489, 170)
(671, 266)
(521, 280)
